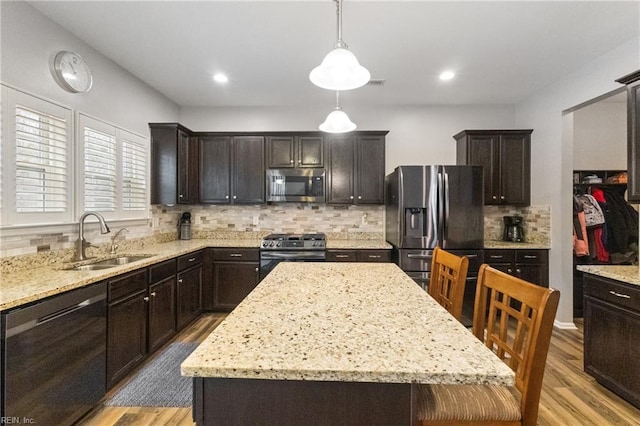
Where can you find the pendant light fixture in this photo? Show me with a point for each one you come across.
(337, 121)
(340, 70)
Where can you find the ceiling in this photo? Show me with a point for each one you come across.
(502, 52)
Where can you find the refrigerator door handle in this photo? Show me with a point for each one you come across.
(445, 209)
(440, 211)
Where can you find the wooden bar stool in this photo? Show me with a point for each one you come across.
(520, 337)
(447, 280)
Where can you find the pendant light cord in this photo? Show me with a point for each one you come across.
(340, 43)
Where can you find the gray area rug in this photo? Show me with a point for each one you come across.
(159, 384)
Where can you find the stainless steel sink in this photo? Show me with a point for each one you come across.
(92, 267)
(111, 263)
(122, 260)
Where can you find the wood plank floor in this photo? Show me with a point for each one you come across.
(569, 396)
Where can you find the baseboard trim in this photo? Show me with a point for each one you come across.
(564, 325)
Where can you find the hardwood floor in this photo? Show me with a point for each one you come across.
(569, 396)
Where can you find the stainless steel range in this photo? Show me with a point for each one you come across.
(276, 248)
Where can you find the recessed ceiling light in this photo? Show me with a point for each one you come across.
(220, 78)
(447, 75)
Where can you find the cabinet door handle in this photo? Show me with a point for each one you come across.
(235, 196)
(359, 197)
(494, 197)
(193, 259)
(624, 296)
(235, 255)
(374, 256)
(146, 299)
(342, 256)
(496, 256)
(291, 161)
(180, 195)
(518, 270)
(530, 256)
(180, 281)
(502, 197)
(351, 197)
(256, 269)
(509, 270)
(153, 294)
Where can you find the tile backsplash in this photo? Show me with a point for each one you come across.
(536, 222)
(244, 221)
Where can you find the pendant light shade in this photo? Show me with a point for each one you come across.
(337, 121)
(340, 70)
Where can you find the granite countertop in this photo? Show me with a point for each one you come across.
(358, 244)
(20, 287)
(626, 273)
(351, 322)
(24, 286)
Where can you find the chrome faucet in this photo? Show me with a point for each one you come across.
(81, 243)
(114, 246)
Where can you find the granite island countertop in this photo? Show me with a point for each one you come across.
(344, 322)
(629, 274)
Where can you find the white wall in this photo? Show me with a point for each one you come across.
(29, 42)
(417, 135)
(600, 136)
(552, 153)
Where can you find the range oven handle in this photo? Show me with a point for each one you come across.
(310, 255)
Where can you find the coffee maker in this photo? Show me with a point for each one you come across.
(184, 226)
(513, 229)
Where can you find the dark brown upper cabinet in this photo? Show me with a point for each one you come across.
(174, 165)
(231, 169)
(295, 151)
(506, 158)
(356, 168)
(633, 134)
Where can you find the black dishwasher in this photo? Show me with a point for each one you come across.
(54, 357)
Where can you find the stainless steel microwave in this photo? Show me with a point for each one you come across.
(296, 185)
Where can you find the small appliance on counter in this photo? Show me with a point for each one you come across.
(513, 229)
(184, 226)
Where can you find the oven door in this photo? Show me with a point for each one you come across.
(269, 259)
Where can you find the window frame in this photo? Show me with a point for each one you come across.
(15, 224)
(86, 120)
(9, 216)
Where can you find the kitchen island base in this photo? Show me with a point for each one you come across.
(222, 401)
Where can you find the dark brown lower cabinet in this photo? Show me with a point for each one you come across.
(162, 312)
(612, 335)
(235, 275)
(189, 295)
(358, 255)
(529, 265)
(126, 335)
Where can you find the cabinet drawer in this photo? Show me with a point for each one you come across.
(126, 284)
(499, 256)
(613, 292)
(236, 254)
(189, 260)
(531, 256)
(160, 271)
(341, 256)
(374, 256)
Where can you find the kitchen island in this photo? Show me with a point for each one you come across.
(333, 343)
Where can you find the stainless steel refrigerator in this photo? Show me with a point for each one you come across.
(429, 206)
